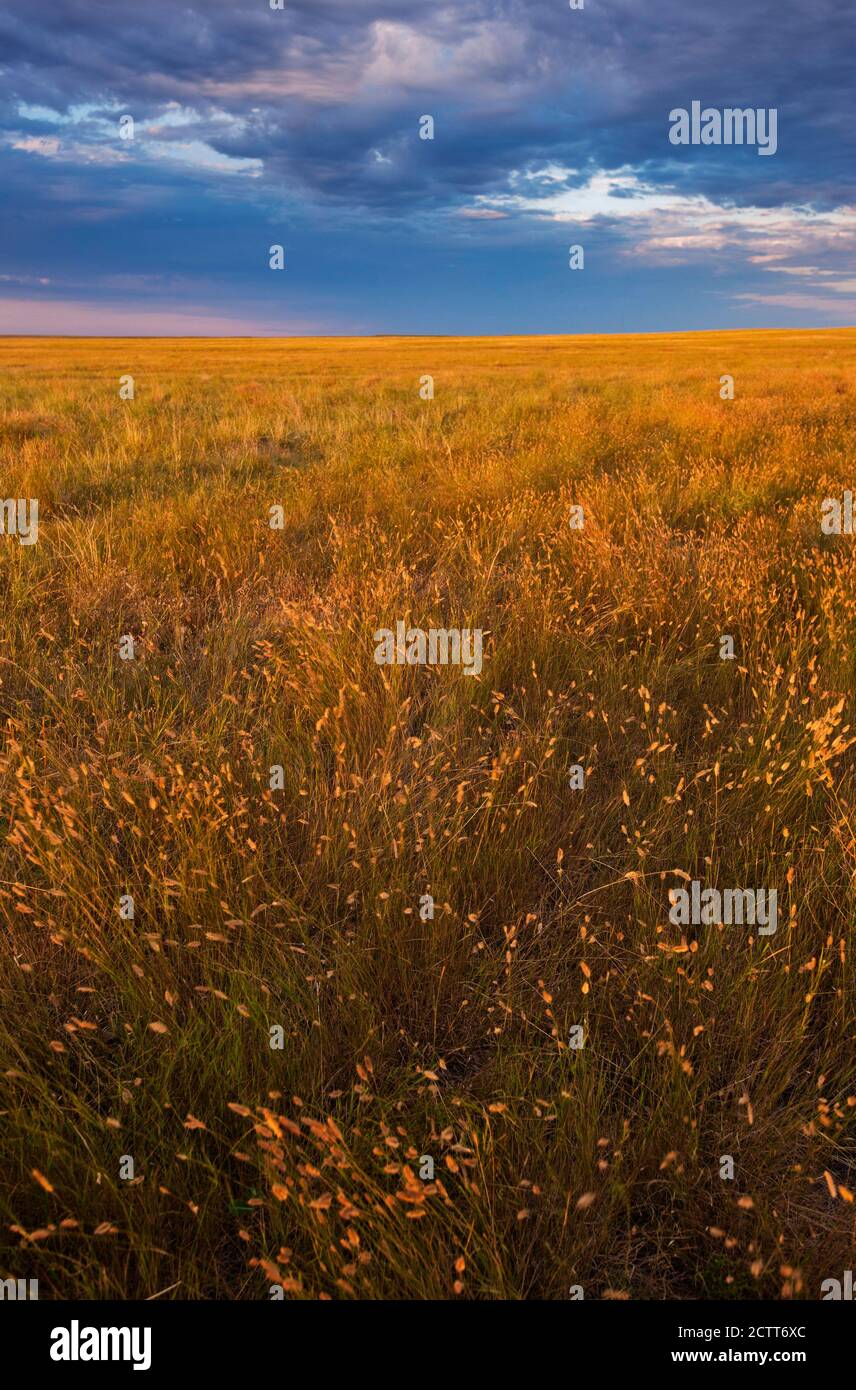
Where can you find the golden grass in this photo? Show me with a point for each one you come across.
(150, 1038)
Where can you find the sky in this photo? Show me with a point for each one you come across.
(300, 127)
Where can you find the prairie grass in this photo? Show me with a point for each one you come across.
(150, 1038)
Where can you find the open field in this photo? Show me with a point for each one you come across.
(149, 1038)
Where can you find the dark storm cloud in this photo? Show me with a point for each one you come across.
(329, 92)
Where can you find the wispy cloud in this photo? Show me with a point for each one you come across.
(133, 320)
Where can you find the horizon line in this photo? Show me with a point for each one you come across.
(333, 337)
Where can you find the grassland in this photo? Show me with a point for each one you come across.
(149, 1038)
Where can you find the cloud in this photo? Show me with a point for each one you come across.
(510, 83)
(82, 318)
(47, 147)
(659, 222)
(808, 303)
(25, 279)
(306, 119)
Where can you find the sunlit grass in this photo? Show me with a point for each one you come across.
(300, 908)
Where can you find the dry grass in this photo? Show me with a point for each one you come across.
(404, 1038)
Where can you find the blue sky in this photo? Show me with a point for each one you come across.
(300, 127)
